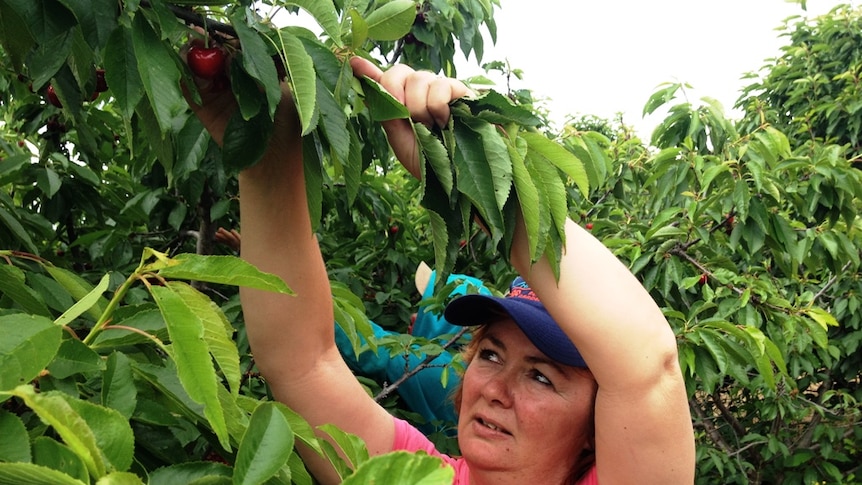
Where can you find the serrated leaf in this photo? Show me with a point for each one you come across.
(436, 156)
(257, 61)
(29, 344)
(13, 286)
(118, 386)
(245, 141)
(265, 447)
(402, 467)
(349, 444)
(112, 432)
(324, 12)
(15, 227)
(187, 473)
(121, 72)
(303, 81)
(660, 97)
(474, 179)
(120, 478)
(55, 455)
(53, 409)
(74, 357)
(15, 445)
(189, 351)
(218, 332)
(547, 177)
(498, 158)
(392, 20)
(497, 108)
(312, 159)
(225, 270)
(30, 474)
(560, 157)
(162, 85)
(528, 198)
(382, 106)
(334, 125)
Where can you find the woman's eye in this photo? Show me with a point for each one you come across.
(489, 355)
(541, 378)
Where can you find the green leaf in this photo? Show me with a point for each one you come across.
(90, 299)
(11, 222)
(497, 108)
(560, 157)
(350, 445)
(55, 410)
(112, 432)
(256, 59)
(324, 12)
(162, 85)
(392, 20)
(57, 456)
(30, 474)
(45, 60)
(190, 352)
(661, 97)
(402, 467)
(497, 155)
(528, 197)
(245, 141)
(334, 124)
(118, 386)
(303, 82)
(225, 270)
(77, 287)
(188, 473)
(29, 344)
(121, 72)
(382, 106)
(265, 447)
(12, 284)
(15, 445)
(218, 332)
(474, 179)
(120, 478)
(821, 316)
(74, 357)
(436, 156)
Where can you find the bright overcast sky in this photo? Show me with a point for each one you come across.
(603, 57)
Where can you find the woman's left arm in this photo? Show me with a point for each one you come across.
(643, 423)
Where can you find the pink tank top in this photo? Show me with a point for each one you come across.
(408, 438)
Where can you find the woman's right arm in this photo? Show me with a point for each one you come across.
(292, 337)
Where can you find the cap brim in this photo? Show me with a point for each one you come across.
(530, 316)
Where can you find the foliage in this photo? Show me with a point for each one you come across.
(812, 90)
(124, 353)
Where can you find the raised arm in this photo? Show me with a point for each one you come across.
(292, 337)
(643, 423)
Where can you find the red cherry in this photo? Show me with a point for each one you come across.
(52, 96)
(206, 62)
(21, 143)
(589, 226)
(703, 279)
(393, 229)
(101, 84)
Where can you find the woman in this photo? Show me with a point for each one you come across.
(523, 414)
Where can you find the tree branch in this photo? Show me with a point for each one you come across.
(386, 391)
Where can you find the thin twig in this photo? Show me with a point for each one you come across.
(386, 391)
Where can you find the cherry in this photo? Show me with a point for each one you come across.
(52, 96)
(21, 143)
(206, 62)
(393, 229)
(589, 226)
(101, 84)
(703, 279)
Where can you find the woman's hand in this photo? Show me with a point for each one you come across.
(426, 96)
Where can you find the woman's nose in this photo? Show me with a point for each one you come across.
(498, 389)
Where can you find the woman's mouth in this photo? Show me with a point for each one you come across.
(491, 426)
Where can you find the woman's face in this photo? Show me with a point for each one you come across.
(521, 412)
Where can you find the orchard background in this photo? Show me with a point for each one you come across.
(123, 353)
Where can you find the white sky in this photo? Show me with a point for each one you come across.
(603, 57)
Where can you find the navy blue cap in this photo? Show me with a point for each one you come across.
(522, 304)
